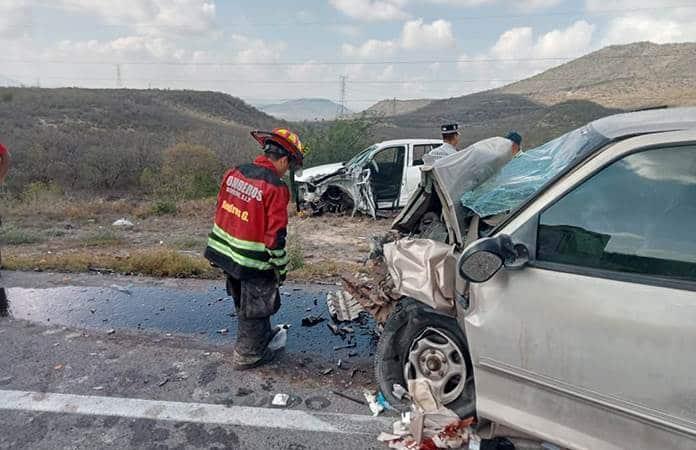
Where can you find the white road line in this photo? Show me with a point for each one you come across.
(190, 412)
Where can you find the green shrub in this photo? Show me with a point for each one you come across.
(163, 207)
(7, 96)
(12, 235)
(295, 253)
(40, 191)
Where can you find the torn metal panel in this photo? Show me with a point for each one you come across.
(343, 307)
(422, 269)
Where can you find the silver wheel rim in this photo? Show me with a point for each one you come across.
(436, 358)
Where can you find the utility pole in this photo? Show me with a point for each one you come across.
(394, 107)
(342, 97)
(118, 76)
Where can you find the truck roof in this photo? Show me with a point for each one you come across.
(645, 122)
(409, 141)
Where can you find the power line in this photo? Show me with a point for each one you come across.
(332, 82)
(340, 63)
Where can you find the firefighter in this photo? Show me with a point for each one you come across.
(248, 240)
(4, 162)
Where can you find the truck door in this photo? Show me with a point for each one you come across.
(591, 344)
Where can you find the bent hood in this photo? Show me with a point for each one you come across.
(318, 171)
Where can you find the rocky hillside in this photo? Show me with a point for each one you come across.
(611, 80)
(117, 134)
(630, 76)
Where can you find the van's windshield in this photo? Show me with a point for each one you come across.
(360, 157)
(530, 171)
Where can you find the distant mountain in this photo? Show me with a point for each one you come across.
(610, 80)
(394, 107)
(304, 109)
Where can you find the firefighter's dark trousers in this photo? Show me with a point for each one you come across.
(256, 300)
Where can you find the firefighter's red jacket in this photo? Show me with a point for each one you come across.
(251, 221)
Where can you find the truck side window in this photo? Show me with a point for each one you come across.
(637, 215)
(418, 152)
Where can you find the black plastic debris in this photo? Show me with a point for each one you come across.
(310, 321)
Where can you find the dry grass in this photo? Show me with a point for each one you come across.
(323, 271)
(150, 262)
(102, 238)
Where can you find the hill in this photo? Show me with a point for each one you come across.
(304, 109)
(610, 80)
(629, 76)
(107, 138)
(394, 107)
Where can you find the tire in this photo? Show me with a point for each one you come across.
(409, 331)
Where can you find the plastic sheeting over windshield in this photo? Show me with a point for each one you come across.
(530, 171)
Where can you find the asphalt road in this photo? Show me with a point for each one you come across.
(69, 379)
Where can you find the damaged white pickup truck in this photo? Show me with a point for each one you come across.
(556, 296)
(381, 177)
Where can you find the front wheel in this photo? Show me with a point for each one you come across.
(421, 343)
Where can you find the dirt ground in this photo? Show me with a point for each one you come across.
(81, 237)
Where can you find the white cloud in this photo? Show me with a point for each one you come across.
(415, 35)
(519, 53)
(623, 30)
(372, 10)
(150, 16)
(519, 43)
(644, 20)
(372, 48)
(419, 35)
(250, 50)
(524, 5)
(571, 42)
(15, 18)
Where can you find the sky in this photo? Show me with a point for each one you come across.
(267, 51)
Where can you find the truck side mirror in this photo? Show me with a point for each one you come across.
(485, 257)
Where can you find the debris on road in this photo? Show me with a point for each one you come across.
(348, 397)
(110, 331)
(223, 331)
(399, 391)
(341, 347)
(98, 388)
(429, 425)
(280, 339)
(163, 382)
(123, 289)
(280, 400)
(122, 222)
(243, 392)
(334, 328)
(375, 407)
(343, 307)
(58, 367)
(310, 321)
(327, 371)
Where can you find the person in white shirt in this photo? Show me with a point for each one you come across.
(450, 136)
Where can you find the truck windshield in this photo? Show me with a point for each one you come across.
(360, 157)
(530, 171)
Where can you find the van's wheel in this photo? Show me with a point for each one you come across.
(419, 342)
